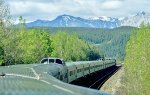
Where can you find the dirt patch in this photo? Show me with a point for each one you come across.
(113, 84)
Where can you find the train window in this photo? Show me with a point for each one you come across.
(51, 60)
(61, 77)
(86, 68)
(71, 73)
(92, 67)
(74, 72)
(44, 61)
(66, 75)
(58, 61)
(79, 70)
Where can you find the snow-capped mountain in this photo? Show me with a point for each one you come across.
(104, 18)
(71, 21)
(136, 20)
(93, 22)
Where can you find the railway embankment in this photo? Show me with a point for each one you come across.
(95, 80)
(114, 83)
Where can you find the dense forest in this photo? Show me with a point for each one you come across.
(111, 42)
(72, 44)
(25, 46)
(20, 45)
(137, 63)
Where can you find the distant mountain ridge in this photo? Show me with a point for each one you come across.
(93, 22)
(135, 21)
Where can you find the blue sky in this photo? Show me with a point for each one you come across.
(49, 9)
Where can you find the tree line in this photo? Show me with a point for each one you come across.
(26, 46)
(111, 41)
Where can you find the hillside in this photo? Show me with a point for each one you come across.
(137, 63)
(111, 41)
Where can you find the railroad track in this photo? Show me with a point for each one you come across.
(103, 79)
(95, 81)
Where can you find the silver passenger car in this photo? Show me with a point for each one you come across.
(59, 68)
(72, 71)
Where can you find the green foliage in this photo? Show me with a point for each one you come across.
(4, 30)
(31, 46)
(72, 48)
(1, 56)
(137, 63)
(111, 41)
(94, 53)
(26, 46)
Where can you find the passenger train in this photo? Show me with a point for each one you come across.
(71, 71)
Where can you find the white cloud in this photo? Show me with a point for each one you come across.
(49, 9)
(33, 10)
(112, 4)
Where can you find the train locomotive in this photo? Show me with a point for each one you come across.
(70, 71)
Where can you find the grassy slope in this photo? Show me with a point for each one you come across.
(137, 63)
